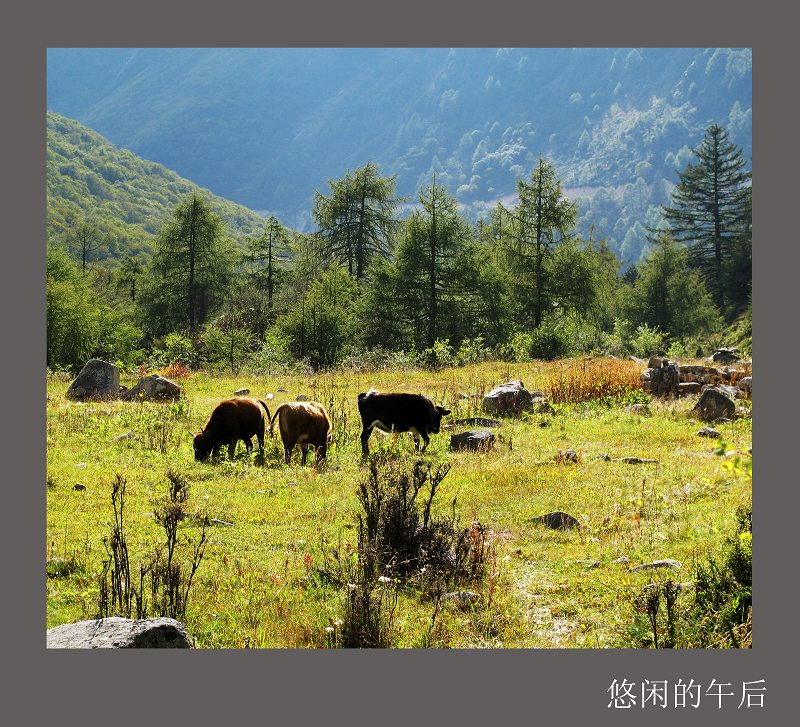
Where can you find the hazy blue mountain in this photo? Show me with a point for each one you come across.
(128, 198)
(265, 127)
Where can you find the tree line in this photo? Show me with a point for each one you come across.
(427, 288)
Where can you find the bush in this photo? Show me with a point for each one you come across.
(400, 540)
(549, 342)
(438, 356)
(647, 341)
(472, 350)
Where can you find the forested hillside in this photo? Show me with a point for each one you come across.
(265, 127)
(122, 199)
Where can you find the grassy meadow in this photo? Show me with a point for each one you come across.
(258, 584)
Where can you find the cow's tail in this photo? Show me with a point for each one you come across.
(265, 407)
(274, 417)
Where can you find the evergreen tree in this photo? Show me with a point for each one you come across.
(528, 235)
(84, 241)
(710, 211)
(129, 274)
(669, 295)
(357, 220)
(190, 271)
(438, 270)
(263, 255)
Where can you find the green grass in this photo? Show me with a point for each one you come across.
(256, 585)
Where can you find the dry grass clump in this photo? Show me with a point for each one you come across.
(572, 382)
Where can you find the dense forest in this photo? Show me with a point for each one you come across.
(145, 268)
(266, 127)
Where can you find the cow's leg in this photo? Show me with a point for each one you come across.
(215, 451)
(426, 439)
(416, 442)
(232, 448)
(364, 445)
(260, 438)
(322, 453)
(287, 449)
(248, 443)
(304, 450)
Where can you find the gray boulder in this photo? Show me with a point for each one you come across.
(241, 392)
(153, 388)
(746, 385)
(726, 356)
(709, 432)
(557, 520)
(689, 387)
(120, 633)
(96, 380)
(509, 398)
(666, 563)
(476, 440)
(476, 422)
(662, 377)
(714, 404)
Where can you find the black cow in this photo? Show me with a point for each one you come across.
(399, 413)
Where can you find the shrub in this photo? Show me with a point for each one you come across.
(472, 350)
(400, 540)
(720, 614)
(438, 356)
(647, 341)
(170, 578)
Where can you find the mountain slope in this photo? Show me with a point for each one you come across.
(267, 126)
(127, 197)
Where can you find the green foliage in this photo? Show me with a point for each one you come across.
(320, 325)
(647, 341)
(80, 324)
(357, 220)
(712, 212)
(191, 270)
(438, 356)
(228, 342)
(123, 197)
(668, 295)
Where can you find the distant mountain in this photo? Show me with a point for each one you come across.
(127, 197)
(265, 127)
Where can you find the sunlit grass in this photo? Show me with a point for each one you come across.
(256, 585)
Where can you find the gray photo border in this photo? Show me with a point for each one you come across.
(297, 687)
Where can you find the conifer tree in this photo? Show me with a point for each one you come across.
(710, 209)
(357, 219)
(528, 236)
(190, 271)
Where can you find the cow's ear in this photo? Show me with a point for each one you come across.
(444, 412)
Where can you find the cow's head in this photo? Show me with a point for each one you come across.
(436, 418)
(201, 448)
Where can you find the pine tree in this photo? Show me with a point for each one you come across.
(437, 269)
(528, 236)
(357, 220)
(263, 255)
(710, 211)
(190, 270)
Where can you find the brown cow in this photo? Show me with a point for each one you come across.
(303, 423)
(232, 420)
